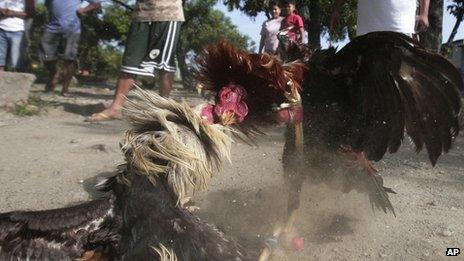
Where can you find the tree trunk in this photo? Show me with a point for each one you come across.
(455, 28)
(315, 24)
(432, 38)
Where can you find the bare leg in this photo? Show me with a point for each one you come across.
(124, 85)
(165, 83)
(53, 75)
(69, 67)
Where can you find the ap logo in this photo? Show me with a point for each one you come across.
(453, 251)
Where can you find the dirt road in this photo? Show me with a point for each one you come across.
(54, 159)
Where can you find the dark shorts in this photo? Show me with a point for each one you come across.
(151, 46)
(58, 45)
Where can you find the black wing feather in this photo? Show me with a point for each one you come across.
(398, 85)
(59, 234)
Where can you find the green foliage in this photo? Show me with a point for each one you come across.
(104, 35)
(205, 25)
(102, 38)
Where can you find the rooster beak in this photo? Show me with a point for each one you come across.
(199, 88)
(227, 118)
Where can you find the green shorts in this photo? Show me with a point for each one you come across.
(150, 46)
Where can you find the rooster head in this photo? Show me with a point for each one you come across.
(246, 86)
(230, 106)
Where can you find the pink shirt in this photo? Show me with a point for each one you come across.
(295, 22)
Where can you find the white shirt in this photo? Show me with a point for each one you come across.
(269, 31)
(13, 24)
(386, 15)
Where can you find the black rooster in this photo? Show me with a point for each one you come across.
(170, 152)
(357, 104)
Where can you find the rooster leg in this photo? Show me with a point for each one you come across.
(285, 233)
(289, 232)
(357, 159)
(378, 193)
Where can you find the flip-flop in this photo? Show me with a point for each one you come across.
(101, 116)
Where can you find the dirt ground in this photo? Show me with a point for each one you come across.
(55, 158)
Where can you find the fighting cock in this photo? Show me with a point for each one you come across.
(170, 152)
(357, 104)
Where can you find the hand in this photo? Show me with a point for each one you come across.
(6, 12)
(334, 20)
(80, 12)
(422, 23)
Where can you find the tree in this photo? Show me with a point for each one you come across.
(457, 10)
(102, 39)
(432, 38)
(204, 25)
(315, 14)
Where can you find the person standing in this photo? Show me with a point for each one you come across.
(269, 31)
(12, 32)
(292, 24)
(386, 15)
(64, 26)
(151, 43)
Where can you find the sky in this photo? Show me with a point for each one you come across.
(252, 26)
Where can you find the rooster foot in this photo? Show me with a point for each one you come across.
(357, 159)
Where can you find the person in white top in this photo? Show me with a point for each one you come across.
(386, 15)
(12, 26)
(270, 30)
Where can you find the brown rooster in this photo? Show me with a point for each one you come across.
(357, 104)
(171, 152)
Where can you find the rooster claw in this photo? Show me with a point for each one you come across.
(271, 243)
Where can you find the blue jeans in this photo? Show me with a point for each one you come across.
(12, 48)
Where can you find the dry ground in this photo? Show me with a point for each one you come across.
(54, 159)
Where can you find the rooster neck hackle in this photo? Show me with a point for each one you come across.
(168, 138)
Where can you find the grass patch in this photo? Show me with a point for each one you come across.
(33, 106)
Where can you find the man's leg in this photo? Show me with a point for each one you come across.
(165, 83)
(124, 85)
(47, 52)
(3, 49)
(53, 74)
(70, 58)
(136, 50)
(15, 57)
(69, 68)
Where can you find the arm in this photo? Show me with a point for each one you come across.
(300, 25)
(263, 36)
(302, 33)
(92, 6)
(422, 22)
(28, 13)
(261, 44)
(335, 15)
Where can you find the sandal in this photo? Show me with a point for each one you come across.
(101, 116)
